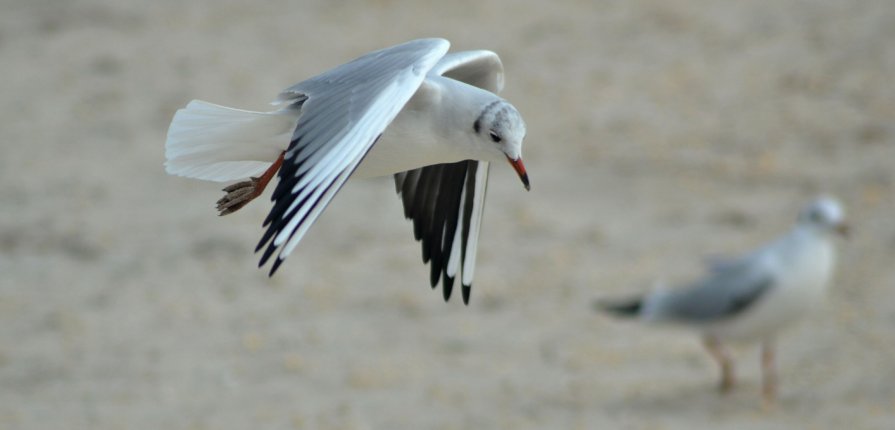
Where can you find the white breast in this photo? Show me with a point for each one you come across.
(803, 269)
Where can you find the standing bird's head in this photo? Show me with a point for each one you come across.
(500, 127)
(824, 215)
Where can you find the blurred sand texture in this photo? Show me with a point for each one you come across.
(660, 132)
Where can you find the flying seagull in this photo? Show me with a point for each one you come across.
(752, 298)
(430, 118)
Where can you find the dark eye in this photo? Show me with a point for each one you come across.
(494, 137)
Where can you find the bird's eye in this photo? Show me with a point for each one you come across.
(494, 137)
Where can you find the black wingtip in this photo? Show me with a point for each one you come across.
(260, 245)
(447, 285)
(467, 289)
(628, 308)
(276, 265)
(434, 274)
(266, 256)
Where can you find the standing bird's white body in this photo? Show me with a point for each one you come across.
(754, 297)
(433, 120)
(801, 266)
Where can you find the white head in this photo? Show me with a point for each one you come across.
(824, 215)
(500, 127)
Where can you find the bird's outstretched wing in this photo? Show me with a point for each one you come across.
(480, 68)
(343, 112)
(446, 201)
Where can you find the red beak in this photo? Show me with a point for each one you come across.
(519, 167)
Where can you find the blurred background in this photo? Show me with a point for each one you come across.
(660, 132)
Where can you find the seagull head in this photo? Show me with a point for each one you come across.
(501, 129)
(825, 215)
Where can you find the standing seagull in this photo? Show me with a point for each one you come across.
(753, 297)
(432, 120)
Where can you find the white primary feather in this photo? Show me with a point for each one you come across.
(453, 265)
(481, 182)
(217, 143)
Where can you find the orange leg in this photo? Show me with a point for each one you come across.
(717, 351)
(769, 374)
(241, 193)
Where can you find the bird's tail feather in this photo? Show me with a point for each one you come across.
(629, 308)
(217, 143)
(649, 307)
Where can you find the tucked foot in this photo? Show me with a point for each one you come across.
(238, 195)
(241, 193)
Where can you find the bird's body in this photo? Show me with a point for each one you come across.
(430, 130)
(431, 119)
(807, 260)
(755, 297)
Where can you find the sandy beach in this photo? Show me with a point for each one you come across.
(659, 133)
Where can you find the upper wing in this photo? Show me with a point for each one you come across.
(718, 264)
(482, 69)
(344, 111)
(446, 201)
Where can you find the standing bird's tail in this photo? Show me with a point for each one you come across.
(630, 308)
(217, 143)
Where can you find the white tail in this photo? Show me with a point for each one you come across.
(217, 143)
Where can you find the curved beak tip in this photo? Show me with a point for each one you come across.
(519, 167)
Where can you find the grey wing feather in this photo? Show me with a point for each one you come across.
(721, 264)
(344, 111)
(389, 61)
(720, 296)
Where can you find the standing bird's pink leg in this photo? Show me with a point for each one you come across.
(769, 374)
(717, 351)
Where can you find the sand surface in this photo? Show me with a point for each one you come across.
(659, 132)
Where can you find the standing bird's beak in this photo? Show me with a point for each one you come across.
(519, 167)
(843, 230)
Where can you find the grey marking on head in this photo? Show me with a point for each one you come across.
(500, 118)
(823, 211)
(477, 125)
